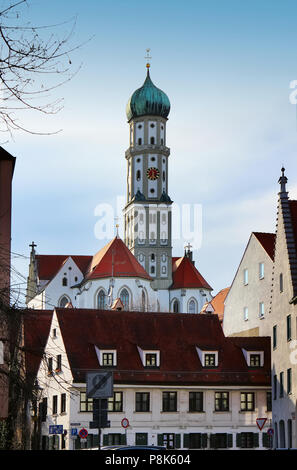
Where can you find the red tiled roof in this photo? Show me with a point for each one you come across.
(293, 210)
(115, 259)
(267, 240)
(218, 303)
(176, 336)
(49, 265)
(36, 330)
(186, 275)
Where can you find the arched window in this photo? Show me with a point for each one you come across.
(152, 140)
(175, 306)
(125, 298)
(101, 300)
(138, 175)
(192, 306)
(64, 281)
(63, 301)
(139, 141)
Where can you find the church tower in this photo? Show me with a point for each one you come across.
(147, 214)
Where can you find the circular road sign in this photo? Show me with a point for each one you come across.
(125, 422)
(83, 433)
(270, 431)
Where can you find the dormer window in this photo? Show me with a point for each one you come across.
(208, 358)
(106, 357)
(254, 358)
(149, 358)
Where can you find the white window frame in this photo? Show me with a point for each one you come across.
(144, 352)
(100, 353)
(202, 353)
(247, 355)
(245, 313)
(261, 270)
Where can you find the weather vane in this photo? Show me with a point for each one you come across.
(148, 57)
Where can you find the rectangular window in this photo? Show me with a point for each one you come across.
(209, 360)
(169, 401)
(281, 282)
(275, 387)
(108, 359)
(274, 336)
(268, 401)
(86, 404)
(261, 309)
(141, 439)
(289, 329)
(247, 401)
(58, 362)
(195, 401)
(281, 384)
(115, 403)
(43, 410)
(245, 277)
(247, 440)
(50, 365)
(55, 404)
(221, 401)
(261, 270)
(142, 401)
(151, 360)
(245, 313)
(289, 381)
(63, 402)
(255, 360)
(114, 439)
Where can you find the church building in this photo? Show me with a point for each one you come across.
(139, 272)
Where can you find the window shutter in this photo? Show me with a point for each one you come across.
(256, 439)
(123, 439)
(204, 440)
(160, 440)
(105, 439)
(238, 439)
(212, 440)
(230, 440)
(95, 440)
(177, 441)
(186, 441)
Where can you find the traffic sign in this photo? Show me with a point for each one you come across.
(73, 431)
(270, 431)
(125, 422)
(260, 422)
(99, 384)
(83, 433)
(56, 429)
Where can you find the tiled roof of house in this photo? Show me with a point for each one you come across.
(186, 275)
(217, 304)
(176, 336)
(267, 240)
(49, 265)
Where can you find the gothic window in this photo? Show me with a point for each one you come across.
(152, 269)
(192, 306)
(153, 257)
(101, 300)
(64, 301)
(175, 306)
(125, 298)
(64, 281)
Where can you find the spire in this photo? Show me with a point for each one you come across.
(283, 181)
(32, 278)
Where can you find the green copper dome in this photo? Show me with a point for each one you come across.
(148, 100)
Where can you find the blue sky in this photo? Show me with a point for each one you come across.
(226, 67)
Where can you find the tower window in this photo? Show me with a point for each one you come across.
(162, 141)
(152, 140)
(153, 257)
(163, 175)
(152, 269)
(140, 126)
(139, 141)
(138, 175)
(175, 306)
(64, 281)
(152, 191)
(152, 125)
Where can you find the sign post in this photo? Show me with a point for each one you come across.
(100, 388)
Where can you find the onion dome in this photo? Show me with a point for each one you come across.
(148, 100)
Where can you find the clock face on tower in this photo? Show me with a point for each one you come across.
(152, 173)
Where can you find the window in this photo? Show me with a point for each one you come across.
(288, 327)
(261, 309)
(63, 402)
(50, 365)
(151, 360)
(55, 404)
(152, 269)
(58, 363)
(281, 282)
(108, 359)
(142, 401)
(245, 313)
(169, 401)
(221, 401)
(247, 440)
(268, 401)
(281, 385)
(101, 300)
(274, 387)
(152, 140)
(43, 409)
(192, 306)
(113, 439)
(289, 381)
(175, 306)
(247, 401)
(209, 360)
(221, 440)
(139, 141)
(245, 277)
(85, 404)
(255, 360)
(64, 281)
(115, 403)
(138, 175)
(274, 336)
(124, 296)
(261, 270)
(64, 301)
(141, 439)
(195, 401)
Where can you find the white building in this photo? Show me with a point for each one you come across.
(177, 379)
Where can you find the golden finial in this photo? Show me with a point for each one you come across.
(148, 57)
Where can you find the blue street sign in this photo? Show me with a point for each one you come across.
(73, 431)
(56, 429)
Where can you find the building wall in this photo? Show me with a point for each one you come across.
(250, 295)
